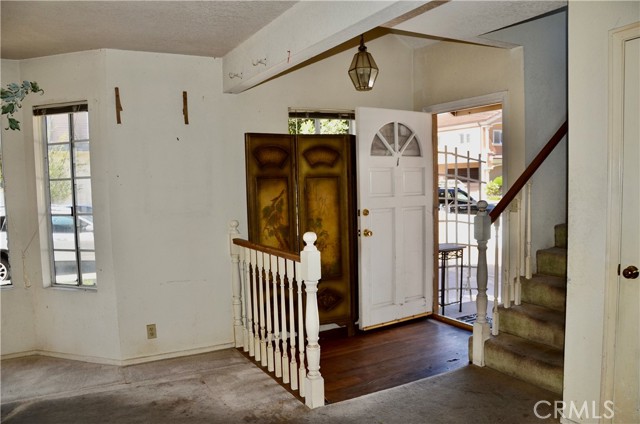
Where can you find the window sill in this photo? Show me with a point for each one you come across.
(72, 288)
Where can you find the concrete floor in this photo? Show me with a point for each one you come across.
(224, 387)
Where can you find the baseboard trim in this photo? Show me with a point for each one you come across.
(19, 354)
(177, 354)
(119, 362)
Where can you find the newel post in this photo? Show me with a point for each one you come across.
(234, 251)
(482, 233)
(310, 273)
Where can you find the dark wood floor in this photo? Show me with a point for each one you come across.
(388, 357)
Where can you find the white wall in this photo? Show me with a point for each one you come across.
(71, 323)
(16, 301)
(544, 43)
(534, 77)
(449, 72)
(589, 26)
(164, 192)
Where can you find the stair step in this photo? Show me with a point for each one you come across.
(545, 290)
(552, 261)
(561, 235)
(532, 362)
(535, 323)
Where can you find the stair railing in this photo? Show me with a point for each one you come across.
(272, 314)
(510, 289)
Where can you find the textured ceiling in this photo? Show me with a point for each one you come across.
(200, 28)
(237, 29)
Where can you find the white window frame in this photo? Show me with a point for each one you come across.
(493, 137)
(77, 212)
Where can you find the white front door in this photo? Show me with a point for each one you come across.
(626, 386)
(395, 200)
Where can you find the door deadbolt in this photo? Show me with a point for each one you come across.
(630, 272)
(367, 233)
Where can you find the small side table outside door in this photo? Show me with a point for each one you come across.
(448, 251)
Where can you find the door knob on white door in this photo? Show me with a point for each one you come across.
(631, 272)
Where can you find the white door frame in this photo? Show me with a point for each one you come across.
(501, 97)
(617, 40)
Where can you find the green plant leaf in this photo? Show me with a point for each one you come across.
(12, 96)
(9, 108)
(36, 88)
(14, 124)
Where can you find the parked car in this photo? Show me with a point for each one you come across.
(454, 199)
(63, 241)
(5, 271)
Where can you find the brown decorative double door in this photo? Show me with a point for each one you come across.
(300, 183)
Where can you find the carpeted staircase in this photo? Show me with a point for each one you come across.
(530, 345)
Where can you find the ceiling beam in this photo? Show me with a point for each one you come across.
(306, 30)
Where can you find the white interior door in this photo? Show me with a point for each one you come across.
(626, 386)
(395, 200)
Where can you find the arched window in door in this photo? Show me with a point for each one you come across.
(395, 139)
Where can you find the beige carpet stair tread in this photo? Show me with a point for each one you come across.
(541, 325)
(552, 261)
(538, 352)
(546, 291)
(535, 363)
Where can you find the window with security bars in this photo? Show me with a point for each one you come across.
(68, 187)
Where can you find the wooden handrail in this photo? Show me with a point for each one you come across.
(266, 249)
(528, 173)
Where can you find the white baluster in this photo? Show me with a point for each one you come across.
(495, 327)
(277, 355)
(527, 259)
(256, 317)
(293, 365)
(248, 296)
(235, 283)
(506, 254)
(482, 232)
(310, 260)
(268, 278)
(282, 270)
(263, 331)
(302, 371)
(245, 300)
(517, 284)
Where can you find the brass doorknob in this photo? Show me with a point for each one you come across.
(630, 272)
(367, 233)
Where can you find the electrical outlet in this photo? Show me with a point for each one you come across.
(151, 331)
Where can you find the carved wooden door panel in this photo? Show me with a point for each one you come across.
(327, 207)
(271, 190)
(306, 183)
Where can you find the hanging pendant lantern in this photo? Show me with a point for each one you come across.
(363, 70)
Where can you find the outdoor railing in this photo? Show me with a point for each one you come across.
(272, 314)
